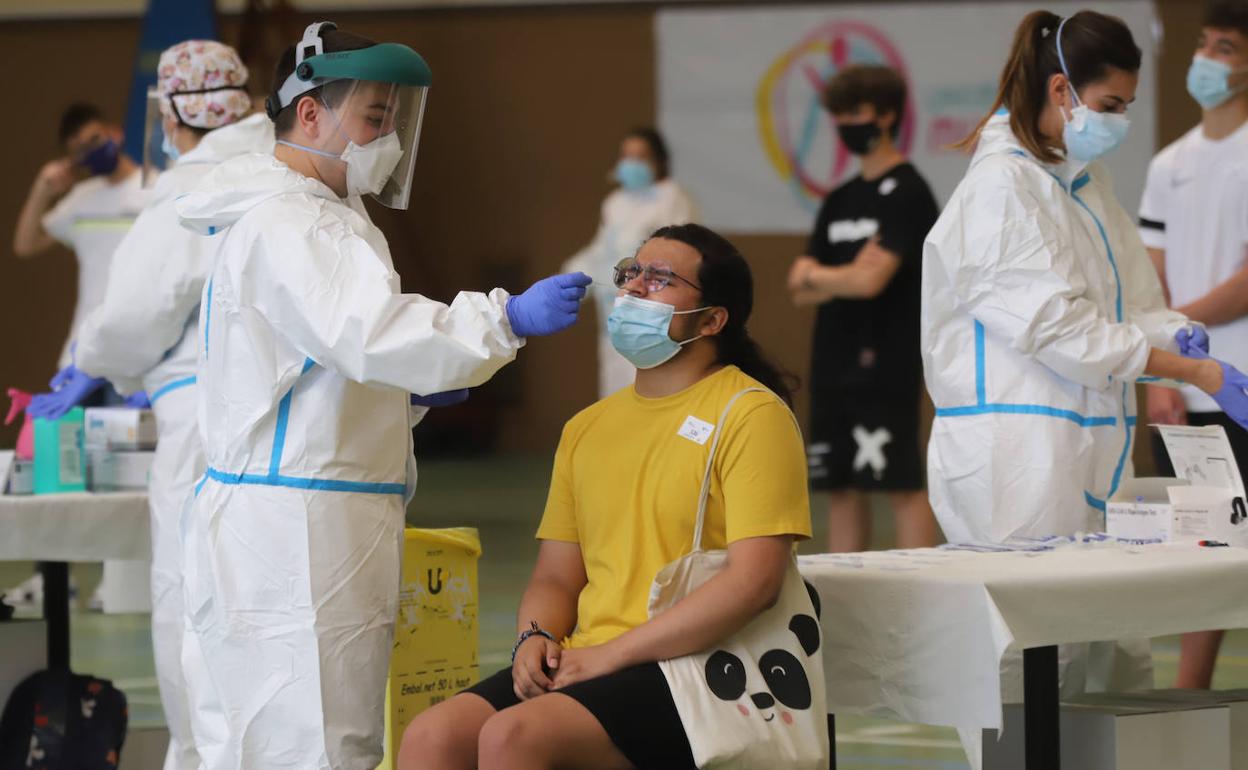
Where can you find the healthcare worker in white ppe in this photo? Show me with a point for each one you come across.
(309, 358)
(647, 198)
(144, 334)
(1041, 309)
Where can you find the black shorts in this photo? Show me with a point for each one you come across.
(633, 705)
(864, 441)
(1237, 436)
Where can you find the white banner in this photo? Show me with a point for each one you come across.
(740, 97)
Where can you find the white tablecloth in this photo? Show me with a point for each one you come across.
(918, 635)
(81, 526)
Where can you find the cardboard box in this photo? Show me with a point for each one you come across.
(1205, 501)
(1122, 732)
(435, 640)
(120, 428)
(109, 471)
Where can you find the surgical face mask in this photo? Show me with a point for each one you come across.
(103, 159)
(859, 138)
(1208, 81)
(634, 175)
(639, 330)
(1088, 134)
(169, 148)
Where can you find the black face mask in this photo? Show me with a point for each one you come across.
(859, 138)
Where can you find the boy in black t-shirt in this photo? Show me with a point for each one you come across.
(863, 270)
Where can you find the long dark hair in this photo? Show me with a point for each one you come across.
(727, 282)
(1091, 42)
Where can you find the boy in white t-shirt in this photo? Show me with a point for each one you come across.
(94, 213)
(1194, 221)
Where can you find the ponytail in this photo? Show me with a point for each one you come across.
(727, 282)
(1092, 43)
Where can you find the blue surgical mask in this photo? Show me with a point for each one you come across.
(102, 160)
(1088, 134)
(634, 175)
(639, 330)
(169, 149)
(1208, 81)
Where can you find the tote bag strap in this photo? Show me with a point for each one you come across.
(710, 464)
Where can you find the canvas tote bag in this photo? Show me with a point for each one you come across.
(756, 699)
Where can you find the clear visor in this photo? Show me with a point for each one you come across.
(378, 133)
(155, 161)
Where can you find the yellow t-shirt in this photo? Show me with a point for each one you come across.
(626, 481)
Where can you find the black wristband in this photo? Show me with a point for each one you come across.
(533, 630)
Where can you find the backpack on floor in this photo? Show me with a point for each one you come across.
(58, 720)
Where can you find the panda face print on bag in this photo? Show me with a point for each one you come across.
(779, 684)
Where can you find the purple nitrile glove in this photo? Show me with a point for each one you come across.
(138, 400)
(70, 387)
(1192, 338)
(1232, 398)
(548, 306)
(445, 398)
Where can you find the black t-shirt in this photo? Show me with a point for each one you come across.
(873, 343)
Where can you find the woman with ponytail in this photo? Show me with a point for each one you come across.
(585, 689)
(1041, 309)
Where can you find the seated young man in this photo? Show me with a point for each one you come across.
(585, 689)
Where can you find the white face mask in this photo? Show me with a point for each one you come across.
(369, 166)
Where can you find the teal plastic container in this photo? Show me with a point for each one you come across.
(60, 462)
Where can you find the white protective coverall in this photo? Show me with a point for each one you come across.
(293, 538)
(1040, 306)
(144, 335)
(627, 219)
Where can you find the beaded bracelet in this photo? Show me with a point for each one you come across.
(533, 630)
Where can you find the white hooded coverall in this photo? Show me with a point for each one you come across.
(1040, 307)
(144, 336)
(293, 538)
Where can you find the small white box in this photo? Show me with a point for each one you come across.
(117, 471)
(119, 427)
(1236, 701)
(22, 477)
(1122, 733)
(1141, 510)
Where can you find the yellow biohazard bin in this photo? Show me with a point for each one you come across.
(435, 636)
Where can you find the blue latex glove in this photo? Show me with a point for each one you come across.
(138, 400)
(1233, 396)
(445, 398)
(548, 306)
(70, 387)
(1192, 338)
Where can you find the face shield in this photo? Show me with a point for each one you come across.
(375, 103)
(155, 159)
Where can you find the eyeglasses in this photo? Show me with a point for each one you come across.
(656, 275)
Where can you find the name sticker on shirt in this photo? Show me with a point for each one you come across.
(697, 431)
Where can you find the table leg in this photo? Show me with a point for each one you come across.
(1041, 709)
(56, 612)
(831, 742)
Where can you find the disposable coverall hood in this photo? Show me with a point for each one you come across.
(240, 184)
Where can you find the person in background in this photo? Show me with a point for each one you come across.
(585, 689)
(145, 332)
(646, 199)
(863, 268)
(87, 199)
(1194, 221)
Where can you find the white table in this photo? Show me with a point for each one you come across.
(918, 636)
(57, 529)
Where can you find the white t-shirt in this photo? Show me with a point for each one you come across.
(92, 219)
(1195, 207)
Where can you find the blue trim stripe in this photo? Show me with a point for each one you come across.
(1033, 409)
(1095, 502)
(1147, 379)
(201, 483)
(1080, 183)
(981, 387)
(296, 482)
(283, 418)
(1126, 446)
(1108, 250)
(171, 386)
(208, 317)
